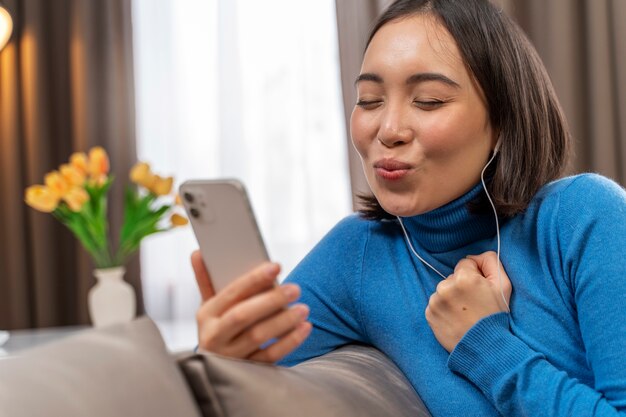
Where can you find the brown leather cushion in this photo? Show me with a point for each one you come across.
(123, 370)
(352, 381)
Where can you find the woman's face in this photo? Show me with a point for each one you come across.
(420, 123)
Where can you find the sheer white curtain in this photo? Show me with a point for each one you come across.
(247, 89)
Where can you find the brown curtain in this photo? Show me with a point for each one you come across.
(354, 20)
(66, 84)
(583, 45)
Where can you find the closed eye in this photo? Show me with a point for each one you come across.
(368, 104)
(429, 104)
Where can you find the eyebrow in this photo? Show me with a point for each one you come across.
(413, 79)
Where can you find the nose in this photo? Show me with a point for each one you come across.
(394, 128)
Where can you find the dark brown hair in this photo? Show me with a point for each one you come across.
(521, 101)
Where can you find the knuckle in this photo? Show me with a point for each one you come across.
(465, 279)
(228, 295)
(462, 278)
(428, 314)
(235, 318)
(446, 287)
(256, 336)
(271, 355)
(206, 340)
(432, 301)
(462, 264)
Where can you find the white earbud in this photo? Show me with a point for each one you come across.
(496, 149)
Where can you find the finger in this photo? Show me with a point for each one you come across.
(254, 282)
(445, 285)
(467, 264)
(257, 308)
(202, 276)
(280, 324)
(487, 262)
(285, 345)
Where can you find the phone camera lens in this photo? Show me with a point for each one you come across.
(188, 197)
(194, 212)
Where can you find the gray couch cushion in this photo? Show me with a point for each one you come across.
(122, 370)
(352, 381)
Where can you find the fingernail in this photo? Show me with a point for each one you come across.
(290, 290)
(271, 269)
(302, 311)
(305, 328)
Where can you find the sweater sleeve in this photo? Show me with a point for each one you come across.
(522, 382)
(330, 278)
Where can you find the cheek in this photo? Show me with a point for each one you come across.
(362, 131)
(448, 133)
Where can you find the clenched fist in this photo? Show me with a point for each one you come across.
(471, 293)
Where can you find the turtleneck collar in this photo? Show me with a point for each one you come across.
(451, 226)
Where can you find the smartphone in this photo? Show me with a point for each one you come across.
(222, 219)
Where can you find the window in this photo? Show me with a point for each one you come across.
(246, 89)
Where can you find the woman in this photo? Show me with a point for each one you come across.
(451, 93)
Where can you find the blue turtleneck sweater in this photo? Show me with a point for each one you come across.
(560, 352)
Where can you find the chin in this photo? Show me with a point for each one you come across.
(399, 208)
(404, 205)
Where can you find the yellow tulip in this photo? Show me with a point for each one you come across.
(98, 162)
(162, 186)
(56, 183)
(79, 161)
(178, 220)
(72, 175)
(76, 198)
(41, 198)
(140, 174)
(97, 181)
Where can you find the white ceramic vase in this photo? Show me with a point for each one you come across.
(111, 300)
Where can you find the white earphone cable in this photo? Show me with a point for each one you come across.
(482, 178)
(495, 213)
(406, 235)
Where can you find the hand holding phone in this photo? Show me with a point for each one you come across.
(242, 308)
(240, 320)
(224, 224)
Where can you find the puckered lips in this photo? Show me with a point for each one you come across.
(391, 169)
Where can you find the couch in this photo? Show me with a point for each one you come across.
(125, 370)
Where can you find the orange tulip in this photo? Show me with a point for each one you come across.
(98, 181)
(162, 186)
(79, 161)
(140, 174)
(76, 198)
(56, 183)
(41, 198)
(72, 175)
(98, 162)
(178, 220)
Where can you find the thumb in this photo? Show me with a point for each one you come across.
(488, 264)
(202, 276)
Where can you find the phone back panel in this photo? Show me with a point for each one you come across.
(225, 227)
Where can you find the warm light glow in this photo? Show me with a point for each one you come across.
(6, 26)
